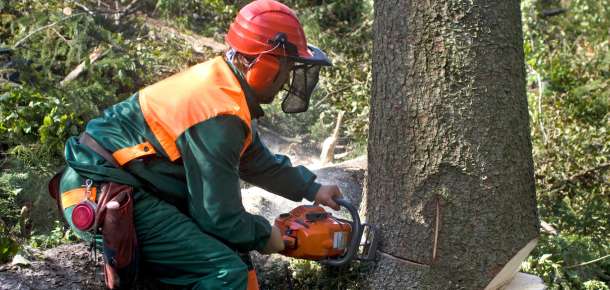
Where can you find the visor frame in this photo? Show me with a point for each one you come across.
(318, 57)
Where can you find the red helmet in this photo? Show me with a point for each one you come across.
(268, 26)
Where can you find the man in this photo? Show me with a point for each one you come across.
(184, 143)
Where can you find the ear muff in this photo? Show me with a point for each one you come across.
(263, 72)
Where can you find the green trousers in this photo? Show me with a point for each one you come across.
(173, 248)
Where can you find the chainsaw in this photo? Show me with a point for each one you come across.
(310, 232)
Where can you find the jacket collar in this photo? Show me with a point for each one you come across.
(253, 106)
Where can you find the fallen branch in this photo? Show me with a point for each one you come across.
(589, 171)
(197, 42)
(43, 28)
(342, 155)
(540, 115)
(547, 228)
(59, 34)
(579, 175)
(12, 84)
(117, 15)
(129, 8)
(84, 8)
(97, 53)
(328, 146)
(553, 12)
(319, 102)
(117, 12)
(589, 262)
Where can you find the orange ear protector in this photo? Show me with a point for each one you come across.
(265, 68)
(263, 72)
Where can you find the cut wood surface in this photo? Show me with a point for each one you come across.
(507, 274)
(523, 281)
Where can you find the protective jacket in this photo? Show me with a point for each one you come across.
(184, 143)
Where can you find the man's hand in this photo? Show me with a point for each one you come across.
(326, 195)
(275, 243)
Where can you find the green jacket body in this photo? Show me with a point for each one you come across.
(189, 216)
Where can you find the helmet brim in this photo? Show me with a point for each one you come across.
(318, 57)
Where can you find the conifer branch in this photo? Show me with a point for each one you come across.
(43, 28)
(93, 56)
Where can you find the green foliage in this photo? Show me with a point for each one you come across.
(9, 215)
(8, 246)
(568, 60)
(22, 183)
(571, 53)
(9, 212)
(37, 110)
(595, 285)
(302, 274)
(311, 275)
(28, 116)
(558, 259)
(207, 17)
(58, 236)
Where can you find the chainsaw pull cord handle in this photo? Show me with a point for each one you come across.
(356, 235)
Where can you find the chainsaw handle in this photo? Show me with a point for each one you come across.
(356, 235)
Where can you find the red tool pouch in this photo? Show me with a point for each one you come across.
(114, 217)
(120, 246)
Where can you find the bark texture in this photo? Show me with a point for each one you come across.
(451, 179)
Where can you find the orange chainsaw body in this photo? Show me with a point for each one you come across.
(309, 232)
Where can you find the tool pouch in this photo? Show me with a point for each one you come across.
(120, 246)
(114, 218)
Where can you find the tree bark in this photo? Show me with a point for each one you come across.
(451, 178)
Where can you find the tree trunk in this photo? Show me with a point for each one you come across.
(451, 178)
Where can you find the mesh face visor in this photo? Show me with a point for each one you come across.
(305, 76)
(304, 80)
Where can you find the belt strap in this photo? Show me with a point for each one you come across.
(87, 140)
(74, 196)
(124, 155)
